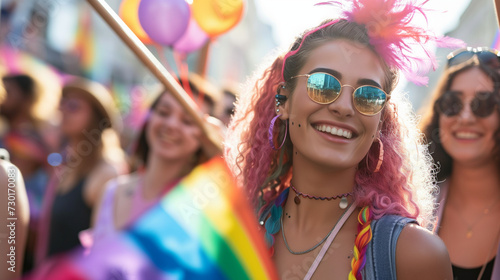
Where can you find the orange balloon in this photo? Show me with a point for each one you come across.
(217, 16)
(129, 12)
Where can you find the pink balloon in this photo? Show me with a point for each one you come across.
(165, 21)
(193, 39)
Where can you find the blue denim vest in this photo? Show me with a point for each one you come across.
(381, 251)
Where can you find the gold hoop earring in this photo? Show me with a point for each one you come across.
(380, 157)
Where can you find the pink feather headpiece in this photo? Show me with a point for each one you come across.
(395, 37)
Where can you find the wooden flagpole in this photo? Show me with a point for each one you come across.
(150, 61)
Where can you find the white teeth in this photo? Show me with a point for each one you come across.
(165, 137)
(467, 135)
(335, 131)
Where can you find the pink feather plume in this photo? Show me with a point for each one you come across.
(395, 35)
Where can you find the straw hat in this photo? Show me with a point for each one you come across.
(99, 95)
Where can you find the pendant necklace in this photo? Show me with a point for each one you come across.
(484, 213)
(336, 227)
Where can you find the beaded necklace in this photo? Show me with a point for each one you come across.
(336, 227)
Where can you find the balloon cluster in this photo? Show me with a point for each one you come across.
(182, 26)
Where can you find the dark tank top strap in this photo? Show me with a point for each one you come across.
(70, 214)
(460, 273)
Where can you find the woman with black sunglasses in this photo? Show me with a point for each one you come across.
(462, 126)
(330, 158)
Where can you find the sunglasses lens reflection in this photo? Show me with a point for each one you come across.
(369, 100)
(323, 88)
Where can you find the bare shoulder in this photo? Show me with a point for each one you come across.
(14, 231)
(421, 255)
(4, 168)
(127, 182)
(97, 181)
(106, 169)
(125, 186)
(15, 191)
(122, 186)
(11, 178)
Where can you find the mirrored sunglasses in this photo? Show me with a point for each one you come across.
(450, 104)
(489, 57)
(323, 88)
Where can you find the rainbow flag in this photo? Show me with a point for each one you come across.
(90, 49)
(496, 41)
(85, 43)
(202, 229)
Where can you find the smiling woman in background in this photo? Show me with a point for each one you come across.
(91, 156)
(169, 145)
(463, 128)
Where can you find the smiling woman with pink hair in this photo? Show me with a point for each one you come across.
(322, 135)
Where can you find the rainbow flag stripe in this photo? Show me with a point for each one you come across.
(210, 211)
(85, 44)
(202, 229)
(496, 41)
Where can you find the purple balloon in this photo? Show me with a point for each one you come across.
(165, 21)
(193, 39)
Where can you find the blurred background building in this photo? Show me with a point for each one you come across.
(70, 36)
(477, 26)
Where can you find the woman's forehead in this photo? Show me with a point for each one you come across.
(351, 60)
(473, 79)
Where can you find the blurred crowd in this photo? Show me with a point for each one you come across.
(66, 153)
(66, 137)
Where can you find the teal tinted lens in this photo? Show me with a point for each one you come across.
(369, 100)
(323, 88)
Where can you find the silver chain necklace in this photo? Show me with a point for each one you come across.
(315, 246)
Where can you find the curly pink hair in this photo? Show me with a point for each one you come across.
(402, 187)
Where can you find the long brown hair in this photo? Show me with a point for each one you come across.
(99, 140)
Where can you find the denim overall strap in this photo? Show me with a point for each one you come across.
(381, 251)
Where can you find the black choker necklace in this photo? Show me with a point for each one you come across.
(343, 197)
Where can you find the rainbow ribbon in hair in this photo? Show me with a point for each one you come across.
(360, 244)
